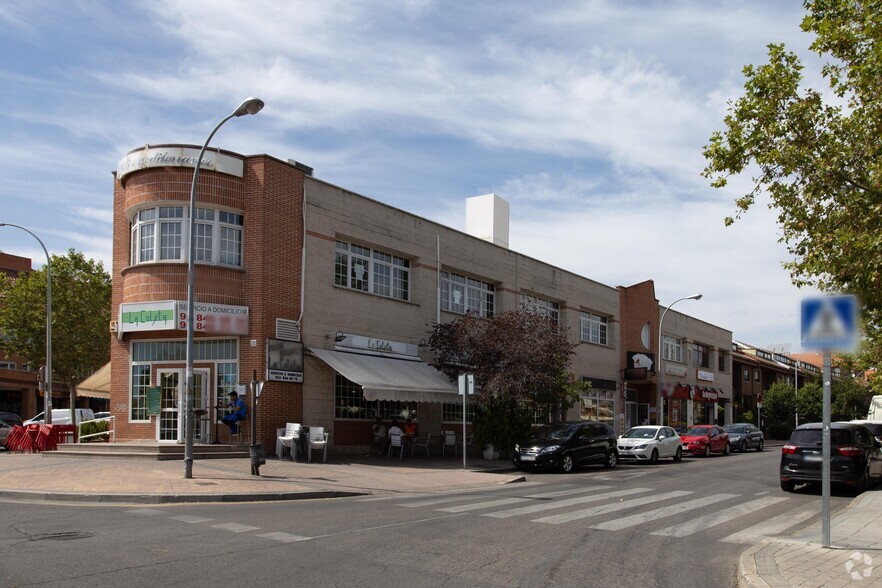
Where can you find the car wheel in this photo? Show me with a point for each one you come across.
(743, 448)
(760, 446)
(727, 449)
(788, 486)
(653, 459)
(679, 455)
(566, 463)
(612, 459)
(707, 450)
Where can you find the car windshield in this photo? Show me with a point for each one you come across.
(557, 431)
(735, 429)
(813, 437)
(640, 433)
(698, 431)
(875, 428)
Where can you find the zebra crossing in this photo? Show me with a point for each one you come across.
(675, 513)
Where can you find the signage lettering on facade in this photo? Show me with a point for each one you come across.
(147, 316)
(284, 361)
(380, 345)
(675, 370)
(705, 376)
(215, 318)
(178, 156)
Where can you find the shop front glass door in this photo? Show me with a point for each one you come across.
(170, 388)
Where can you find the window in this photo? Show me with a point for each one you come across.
(366, 270)
(547, 308)
(349, 403)
(756, 375)
(217, 236)
(8, 365)
(672, 349)
(746, 374)
(722, 361)
(593, 328)
(598, 405)
(140, 383)
(461, 294)
(451, 412)
(701, 356)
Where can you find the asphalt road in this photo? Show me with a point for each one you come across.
(672, 524)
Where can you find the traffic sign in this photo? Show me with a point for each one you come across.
(828, 323)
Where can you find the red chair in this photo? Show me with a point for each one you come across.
(13, 439)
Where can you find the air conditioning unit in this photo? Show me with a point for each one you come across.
(114, 326)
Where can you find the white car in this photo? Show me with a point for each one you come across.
(650, 442)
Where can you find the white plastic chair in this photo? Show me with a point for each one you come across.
(395, 441)
(424, 443)
(319, 440)
(448, 439)
(288, 437)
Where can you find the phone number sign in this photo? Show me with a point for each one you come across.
(214, 318)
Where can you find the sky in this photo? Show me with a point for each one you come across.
(588, 117)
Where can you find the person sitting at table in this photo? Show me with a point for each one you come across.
(409, 436)
(236, 414)
(395, 431)
(379, 431)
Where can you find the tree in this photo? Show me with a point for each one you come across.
(80, 315)
(818, 157)
(519, 358)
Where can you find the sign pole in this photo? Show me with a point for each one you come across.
(825, 455)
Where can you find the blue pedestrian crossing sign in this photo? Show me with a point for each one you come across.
(828, 323)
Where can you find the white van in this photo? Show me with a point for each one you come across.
(61, 416)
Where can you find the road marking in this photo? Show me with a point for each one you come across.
(773, 526)
(284, 537)
(147, 512)
(660, 513)
(534, 508)
(235, 527)
(434, 501)
(480, 505)
(567, 492)
(607, 508)
(719, 517)
(191, 519)
(761, 493)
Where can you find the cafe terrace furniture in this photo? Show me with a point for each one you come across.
(395, 441)
(289, 438)
(448, 441)
(317, 439)
(423, 443)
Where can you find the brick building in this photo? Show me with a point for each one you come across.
(19, 390)
(329, 296)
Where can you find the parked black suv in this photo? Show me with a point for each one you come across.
(567, 445)
(855, 456)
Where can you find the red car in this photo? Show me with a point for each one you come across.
(706, 439)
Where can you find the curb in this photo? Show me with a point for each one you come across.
(79, 498)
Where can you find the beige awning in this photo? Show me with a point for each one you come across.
(382, 378)
(97, 385)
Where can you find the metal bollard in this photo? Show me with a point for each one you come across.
(257, 458)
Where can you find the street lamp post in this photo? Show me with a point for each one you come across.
(47, 376)
(248, 106)
(659, 410)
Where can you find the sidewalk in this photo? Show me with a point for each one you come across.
(855, 556)
(32, 477)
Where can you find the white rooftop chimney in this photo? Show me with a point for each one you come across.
(487, 218)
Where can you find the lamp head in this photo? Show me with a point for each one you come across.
(249, 106)
(695, 297)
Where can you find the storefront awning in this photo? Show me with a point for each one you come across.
(97, 385)
(382, 378)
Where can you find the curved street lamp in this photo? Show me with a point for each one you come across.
(47, 376)
(661, 413)
(248, 106)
